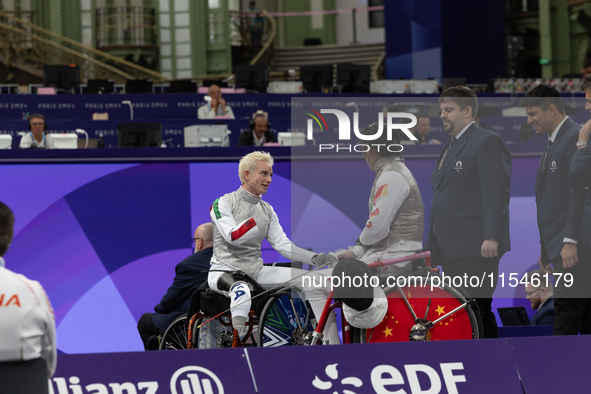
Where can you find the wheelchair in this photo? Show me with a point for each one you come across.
(416, 312)
(419, 310)
(284, 317)
(276, 318)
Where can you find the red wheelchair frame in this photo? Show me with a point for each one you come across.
(421, 329)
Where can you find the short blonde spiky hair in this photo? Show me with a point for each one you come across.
(250, 161)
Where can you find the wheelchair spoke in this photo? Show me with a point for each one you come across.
(370, 335)
(414, 316)
(428, 306)
(178, 339)
(463, 306)
(183, 334)
(175, 336)
(296, 315)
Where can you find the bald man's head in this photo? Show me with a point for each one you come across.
(203, 237)
(214, 92)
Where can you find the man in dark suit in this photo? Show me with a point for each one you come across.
(579, 176)
(559, 208)
(258, 132)
(469, 222)
(189, 276)
(540, 297)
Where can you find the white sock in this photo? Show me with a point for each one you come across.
(239, 303)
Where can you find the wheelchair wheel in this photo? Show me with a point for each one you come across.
(428, 304)
(175, 336)
(278, 324)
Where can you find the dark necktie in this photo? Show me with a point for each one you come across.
(546, 153)
(445, 153)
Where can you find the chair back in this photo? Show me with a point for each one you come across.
(24, 377)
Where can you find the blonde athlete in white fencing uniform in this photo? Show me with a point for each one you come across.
(241, 220)
(27, 323)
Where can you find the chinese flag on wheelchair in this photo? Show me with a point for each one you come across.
(421, 307)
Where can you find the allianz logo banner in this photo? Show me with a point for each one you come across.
(412, 368)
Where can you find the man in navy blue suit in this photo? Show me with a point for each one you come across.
(580, 169)
(540, 297)
(559, 208)
(580, 178)
(469, 222)
(190, 274)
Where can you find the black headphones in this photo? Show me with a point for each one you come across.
(254, 117)
(36, 116)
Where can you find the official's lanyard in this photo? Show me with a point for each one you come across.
(34, 140)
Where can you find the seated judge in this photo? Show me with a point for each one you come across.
(540, 298)
(421, 131)
(190, 274)
(36, 137)
(216, 106)
(258, 132)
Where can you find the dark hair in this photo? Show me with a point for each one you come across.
(462, 96)
(383, 151)
(586, 63)
(586, 85)
(6, 226)
(251, 122)
(37, 116)
(542, 96)
(537, 276)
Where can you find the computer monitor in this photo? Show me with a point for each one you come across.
(139, 135)
(183, 86)
(354, 78)
(219, 82)
(206, 136)
(64, 141)
(252, 77)
(291, 139)
(451, 82)
(415, 109)
(138, 86)
(316, 78)
(514, 316)
(64, 77)
(5, 141)
(95, 86)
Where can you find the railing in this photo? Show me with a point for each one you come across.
(26, 16)
(377, 69)
(521, 7)
(269, 37)
(125, 26)
(29, 47)
(573, 3)
(255, 30)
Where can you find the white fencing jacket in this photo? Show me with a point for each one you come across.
(27, 322)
